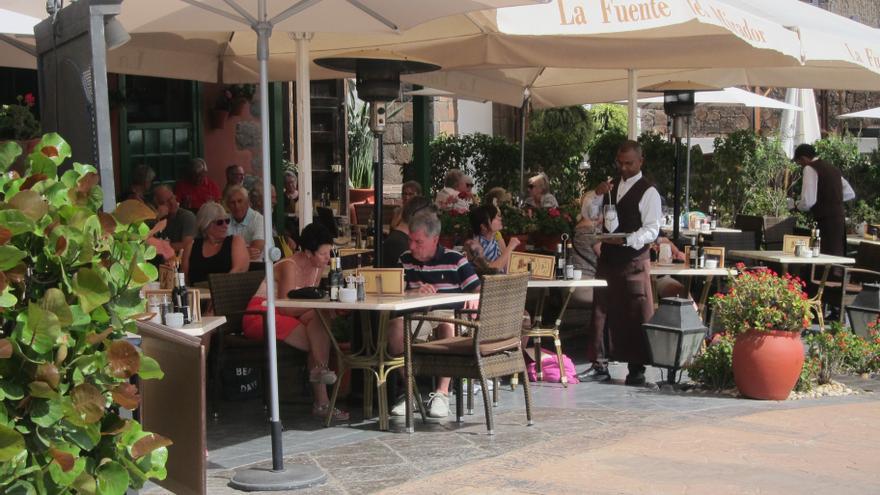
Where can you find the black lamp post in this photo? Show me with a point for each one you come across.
(864, 310)
(378, 82)
(674, 334)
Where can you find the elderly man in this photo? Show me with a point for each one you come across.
(180, 228)
(196, 189)
(245, 221)
(429, 269)
(624, 262)
(234, 177)
(455, 193)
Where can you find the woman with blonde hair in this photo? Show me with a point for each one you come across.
(539, 193)
(213, 251)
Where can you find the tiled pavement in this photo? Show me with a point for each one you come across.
(360, 459)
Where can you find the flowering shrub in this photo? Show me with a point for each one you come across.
(17, 121)
(838, 350)
(762, 300)
(455, 223)
(554, 221)
(713, 367)
(515, 221)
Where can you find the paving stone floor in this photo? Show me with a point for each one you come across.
(360, 459)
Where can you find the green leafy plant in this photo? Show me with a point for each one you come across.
(838, 350)
(555, 221)
(489, 159)
(515, 221)
(17, 121)
(456, 224)
(760, 299)
(556, 143)
(360, 139)
(713, 366)
(842, 151)
(70, 281)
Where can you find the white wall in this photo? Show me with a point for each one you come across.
(474, 117)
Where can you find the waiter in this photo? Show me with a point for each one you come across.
(823, 191)
(624, 263)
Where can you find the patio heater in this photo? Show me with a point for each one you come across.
(378, 83)
(679, 105)
(864, 310)
(674, 335)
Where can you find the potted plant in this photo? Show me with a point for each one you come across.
(70, 281)
(766, 313)
(550, 224)
(241, 95)
(516, 224)
(222, 107)
(455, 227)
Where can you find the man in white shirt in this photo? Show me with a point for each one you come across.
(245, 221)
(823, 192)
(624, 262)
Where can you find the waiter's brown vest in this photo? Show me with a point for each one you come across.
(829, 192)
(629, 220)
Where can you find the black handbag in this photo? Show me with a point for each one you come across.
(306, 293)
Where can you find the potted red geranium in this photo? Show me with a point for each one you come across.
(766, 313)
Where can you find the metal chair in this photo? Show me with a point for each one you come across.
(492, 350)
(866, 269)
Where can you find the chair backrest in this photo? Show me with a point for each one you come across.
(868, 256)
(502, 300)
(325, 218)
(363, 212)
(775, 231)
(745, 241)
(231, 293)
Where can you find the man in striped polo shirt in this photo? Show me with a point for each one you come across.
(430, 268)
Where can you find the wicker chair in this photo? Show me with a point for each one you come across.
(492, 349)
(230, 295)
(865, 270)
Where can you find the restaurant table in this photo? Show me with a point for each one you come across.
(855, 240)
(175, 406)
(682, 270)
(694, 232)
(786, 259)
(373, 356)
(538, 330)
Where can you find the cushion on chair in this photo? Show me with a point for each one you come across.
(463, 346)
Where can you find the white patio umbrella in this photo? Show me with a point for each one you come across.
(302, 17)
(871, 113)
(731, 96)
(17, 39)
(800, 126)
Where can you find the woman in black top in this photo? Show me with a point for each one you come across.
(214, 251)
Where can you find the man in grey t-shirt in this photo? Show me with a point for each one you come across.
(181, 223)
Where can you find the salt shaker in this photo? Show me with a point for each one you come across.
(361, 287)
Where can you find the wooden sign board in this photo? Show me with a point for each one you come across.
(383, 280)
(790, 241)
(543, 266)
(716, 253)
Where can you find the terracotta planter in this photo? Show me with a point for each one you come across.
(766, 365)
(218, 118)
(356, 195)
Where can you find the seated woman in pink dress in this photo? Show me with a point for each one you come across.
(301, 328)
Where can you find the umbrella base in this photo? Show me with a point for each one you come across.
(265, 479)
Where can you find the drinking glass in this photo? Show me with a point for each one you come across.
(610, 214)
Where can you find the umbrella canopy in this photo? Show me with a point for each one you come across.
(871, 113)
(731, 96)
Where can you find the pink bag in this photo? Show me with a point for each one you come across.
(550, 367)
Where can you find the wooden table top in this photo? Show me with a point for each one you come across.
(789, 258)
(683, 270)
(568, 283)
(404, 302)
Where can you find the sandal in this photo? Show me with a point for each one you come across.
(322, 375)
(322, 411)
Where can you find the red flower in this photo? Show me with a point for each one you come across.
(30, 100)
(554, 212)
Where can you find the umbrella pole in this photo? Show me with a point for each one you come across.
(687, 173)
(632, 104)
(303, 129)
(522, 142)
(377, 205)
(277, 478)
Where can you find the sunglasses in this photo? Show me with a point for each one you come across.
(221, 222)
(469, 185)
(531, 186)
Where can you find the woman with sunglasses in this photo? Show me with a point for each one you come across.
(213, 251)
(455, 195)
(301, 328)
(539, 193)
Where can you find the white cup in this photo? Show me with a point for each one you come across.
(348, 295)
(712, 263)
(577, 274)
(174, 320)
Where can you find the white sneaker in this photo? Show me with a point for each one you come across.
(438, 405)
(399, 408)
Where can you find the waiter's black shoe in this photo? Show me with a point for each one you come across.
(636, 375)
(594, 374)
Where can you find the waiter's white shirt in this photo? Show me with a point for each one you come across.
(649, 207)
(810, 185)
